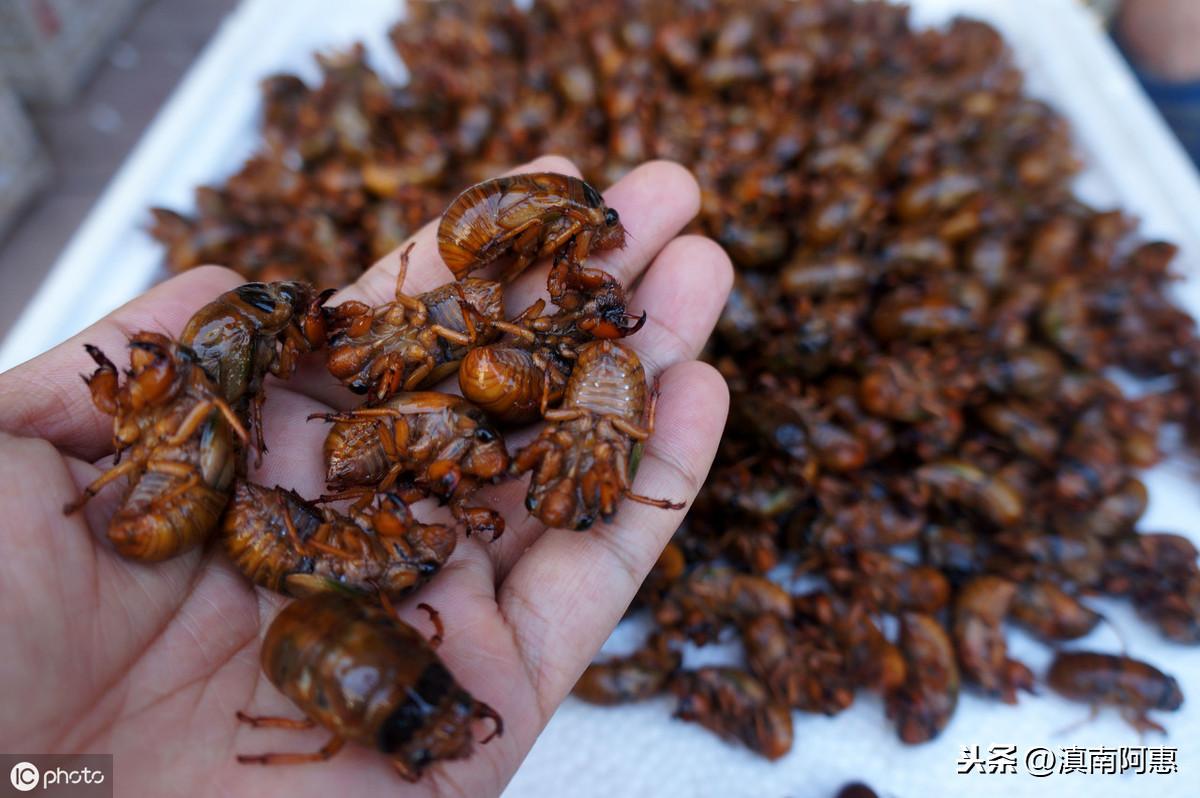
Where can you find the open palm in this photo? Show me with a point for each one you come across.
(151, 662)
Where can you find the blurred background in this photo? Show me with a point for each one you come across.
(81, 79)
(79, 82)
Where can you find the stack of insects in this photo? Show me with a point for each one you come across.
(180, 432)
(564, 367)
(919, 343)
(184, 410)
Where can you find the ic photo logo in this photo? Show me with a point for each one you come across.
(74, 775)
(24, 776)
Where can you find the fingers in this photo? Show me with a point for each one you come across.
(426, 270)
(45, 398)
(656, 198)
(682, 293)
(590, 578)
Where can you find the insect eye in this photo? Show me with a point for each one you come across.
(611, 218)
(485, 435)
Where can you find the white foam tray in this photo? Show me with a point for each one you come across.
(209, 126)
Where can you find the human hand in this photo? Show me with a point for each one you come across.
(151, 662)
(1161, 36)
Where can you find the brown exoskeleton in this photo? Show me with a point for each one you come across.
(1134, 686)
(1051, 613)
(175, 434)
(507, 382)
(508, 379)
(253, 330)
(635, 677)
(979, 612)
(737, 706)
(370, 678)
(527, 216)
(923, 705)
(284, 543)
(446, 446)
(801, 664)
(889, 584)
(591, 300)
(410, 342)
(584, 459)
(714, 596)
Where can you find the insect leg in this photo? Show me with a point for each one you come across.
(665, 504)
(364, 494)
(267, 722)
(485, 711)
(317, 541)
(580, 247)
(1091, 716)
(403, 271)
(453, 336)
(515, 329)
(531, 312)
(405, 772)
(256, 405)
(300, 545)
(289, 352)
(197, 416)
(562, 413)
(98, 484)
(389, 479)
(327, 752)
(1138, 719)
(189, 473)
(525, 244)
(632, 430)
(360, 416)
(420, 373)
(531, 455)
(436, 619)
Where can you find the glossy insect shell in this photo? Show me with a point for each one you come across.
(256, 539)
(436, 425)
(490, 219)
(608, 379)
(358, 360)
(156, 521)
(370, 678)
(506, 383)
(226, 333)
(162, 515)
(1106, 678)
(486, 296)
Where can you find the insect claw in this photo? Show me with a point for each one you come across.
(436, 619)
(485, 711)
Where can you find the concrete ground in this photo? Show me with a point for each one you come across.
(89, 138)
